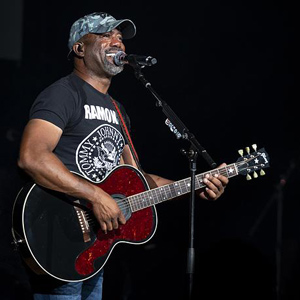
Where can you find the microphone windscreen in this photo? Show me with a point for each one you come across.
(119, 58)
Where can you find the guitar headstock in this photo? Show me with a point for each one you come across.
(252, 162)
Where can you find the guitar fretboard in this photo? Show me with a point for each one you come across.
(175, 189)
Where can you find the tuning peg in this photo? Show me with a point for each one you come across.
(241, 152)
(247, 150)
(254, 146)
(255, 174)
(262, 172)
(248, 177)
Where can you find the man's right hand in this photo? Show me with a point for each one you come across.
(107, 212)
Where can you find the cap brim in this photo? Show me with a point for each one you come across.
(127, 27)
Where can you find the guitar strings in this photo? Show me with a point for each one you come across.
(139, 201)
(134, 200)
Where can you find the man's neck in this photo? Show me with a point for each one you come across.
(100, 84)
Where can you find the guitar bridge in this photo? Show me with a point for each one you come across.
(84, 224)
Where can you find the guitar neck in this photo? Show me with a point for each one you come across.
(175, 189)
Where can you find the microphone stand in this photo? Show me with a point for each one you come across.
(181, 131)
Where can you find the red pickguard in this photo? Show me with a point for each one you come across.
(139, 228)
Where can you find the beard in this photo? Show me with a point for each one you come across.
(112, 69)
(109, 67)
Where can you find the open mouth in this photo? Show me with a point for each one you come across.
(110, 56)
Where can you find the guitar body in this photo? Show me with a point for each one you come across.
(56, 235)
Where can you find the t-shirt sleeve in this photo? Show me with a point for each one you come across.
(56, 104)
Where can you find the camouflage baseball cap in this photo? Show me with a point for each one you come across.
(100, 22)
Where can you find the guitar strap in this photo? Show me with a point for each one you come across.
(127, 135)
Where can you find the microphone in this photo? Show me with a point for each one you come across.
(122, 58)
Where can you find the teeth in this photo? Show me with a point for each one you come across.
(110, 54)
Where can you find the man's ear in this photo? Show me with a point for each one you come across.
(78, 49)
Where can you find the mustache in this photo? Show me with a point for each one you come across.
(113, 49)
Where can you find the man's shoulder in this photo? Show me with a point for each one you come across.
(65, 85)
(65, 81)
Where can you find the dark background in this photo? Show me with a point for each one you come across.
(227, 68)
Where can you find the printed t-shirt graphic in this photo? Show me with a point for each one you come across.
(100, 152)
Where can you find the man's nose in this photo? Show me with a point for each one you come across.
(116, 42)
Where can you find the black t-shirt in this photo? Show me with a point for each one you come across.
(92, 140)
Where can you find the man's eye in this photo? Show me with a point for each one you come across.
(109, 35)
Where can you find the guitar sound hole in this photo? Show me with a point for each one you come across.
(123, 205)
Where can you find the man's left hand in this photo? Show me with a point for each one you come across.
(215, 186)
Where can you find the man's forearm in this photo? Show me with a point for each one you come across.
(156, 181)
(48, 171)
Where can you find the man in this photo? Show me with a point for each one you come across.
(74, 114)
